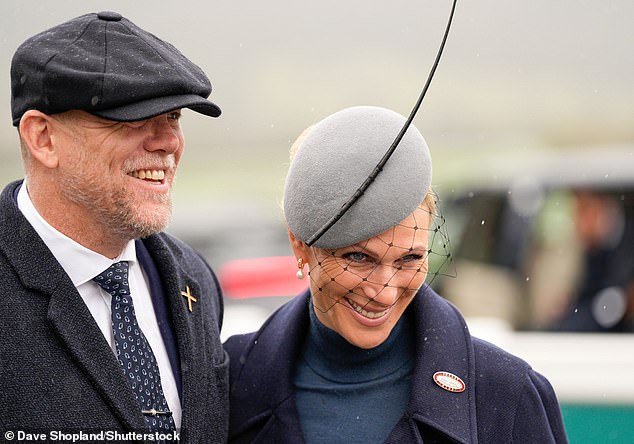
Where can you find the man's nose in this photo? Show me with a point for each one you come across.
(163, 135)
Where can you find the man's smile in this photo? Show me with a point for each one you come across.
(148, 175)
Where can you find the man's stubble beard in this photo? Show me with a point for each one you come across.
(114, 208)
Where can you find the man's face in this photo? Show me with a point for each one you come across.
(120, 174)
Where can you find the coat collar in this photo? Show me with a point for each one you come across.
(264, 384)
(74, 325)
(69, 317)
(195, 358)
(443, 344)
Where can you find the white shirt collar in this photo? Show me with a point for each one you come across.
(80, 263)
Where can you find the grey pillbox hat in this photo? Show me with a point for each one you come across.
(335, 157)
(106, 65)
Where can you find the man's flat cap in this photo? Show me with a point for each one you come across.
(106, 65)
(333, 160)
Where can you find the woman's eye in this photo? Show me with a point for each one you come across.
(411, 260)
(355, 256)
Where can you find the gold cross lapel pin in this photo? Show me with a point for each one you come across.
(190, 298)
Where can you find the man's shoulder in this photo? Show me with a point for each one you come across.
(170, 241)
(171, 244)
(167, 248)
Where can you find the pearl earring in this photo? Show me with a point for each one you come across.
(300, 265)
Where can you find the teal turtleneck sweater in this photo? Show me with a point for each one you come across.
(345, 394)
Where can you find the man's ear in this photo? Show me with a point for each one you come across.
(35, 131)
(300, 249)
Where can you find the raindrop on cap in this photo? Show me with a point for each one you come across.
(109, 16)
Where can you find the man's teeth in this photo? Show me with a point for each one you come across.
(365, 313)
(148, 174)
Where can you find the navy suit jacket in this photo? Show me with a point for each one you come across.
(505, 400)
(57, 371)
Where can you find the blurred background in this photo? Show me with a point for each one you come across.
(530, 120)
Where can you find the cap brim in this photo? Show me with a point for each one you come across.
(149, 108)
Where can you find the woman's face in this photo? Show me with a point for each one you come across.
(361, 291)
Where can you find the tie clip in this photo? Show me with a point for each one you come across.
(154, 412)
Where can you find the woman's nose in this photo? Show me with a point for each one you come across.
(380, 286)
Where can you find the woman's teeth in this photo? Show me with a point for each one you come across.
(368, 314)
(148, 174)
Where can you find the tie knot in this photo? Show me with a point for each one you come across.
(114, 279)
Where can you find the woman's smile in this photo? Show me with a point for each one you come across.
(365, 316)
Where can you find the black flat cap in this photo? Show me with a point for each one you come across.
(104, 64)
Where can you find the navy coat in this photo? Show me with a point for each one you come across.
(505, 400)
(57, 371)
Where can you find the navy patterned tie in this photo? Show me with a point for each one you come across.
(134, 352)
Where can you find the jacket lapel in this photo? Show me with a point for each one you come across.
(195, 360)
(269, 366)
(443, 344)
(76, 328)
(69, 317)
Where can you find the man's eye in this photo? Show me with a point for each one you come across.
(135, 124)
(355, 256)
(174, 115)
